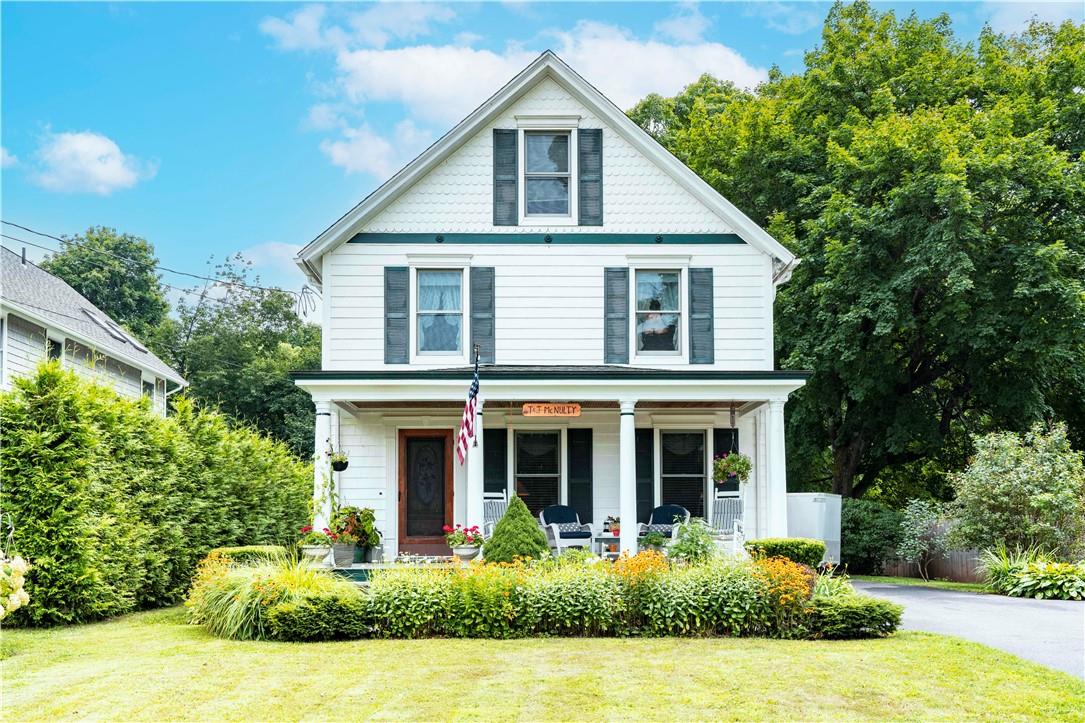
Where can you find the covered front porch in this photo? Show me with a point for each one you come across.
(609, 442)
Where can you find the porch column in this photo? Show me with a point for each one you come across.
(627, 476)
(322, 474)
(475, 474)
(777, 471)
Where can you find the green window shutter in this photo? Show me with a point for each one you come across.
(590, 172)
(396, 332)
(701, 337)
(645, 452)
(482, 312)
(725, 440)
(495, 470)
(506, 208)
(616, 316)
(579, 473)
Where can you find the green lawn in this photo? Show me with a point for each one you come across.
(153, 666)
(940, 584)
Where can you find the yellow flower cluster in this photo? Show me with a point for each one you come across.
(789, 583)
(644, 564)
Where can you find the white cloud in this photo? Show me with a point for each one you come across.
(438, 85)
(305, 29)
(1013, 17)
(789, 18)
(687, 25)
(361, 150)
(87, 162)
(444, 83)
(301, 31)
(7, 160)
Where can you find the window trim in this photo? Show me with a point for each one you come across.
(681, 356)
(563, 459)
(440, 357)
(657, 463)
(570, 219)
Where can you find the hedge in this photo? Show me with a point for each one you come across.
(114, 505)
(797, 549)
(773, 598)
(852, 616)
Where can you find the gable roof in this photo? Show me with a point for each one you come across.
(548, 64)
(33, 291)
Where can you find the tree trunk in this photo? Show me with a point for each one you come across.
(846, 459)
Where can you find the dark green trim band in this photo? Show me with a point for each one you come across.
(550, 374)
(552, 238)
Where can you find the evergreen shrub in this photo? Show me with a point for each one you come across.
(516, 535)
(797, 549)
(113, 505)
(852, 616)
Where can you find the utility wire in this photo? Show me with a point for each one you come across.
(304, 301)
(180, 289)
(140, 263)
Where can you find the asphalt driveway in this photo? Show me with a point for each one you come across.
(1049, 632)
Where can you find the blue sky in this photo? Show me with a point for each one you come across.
(212, 128)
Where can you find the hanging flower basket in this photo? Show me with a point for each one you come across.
(731, 467)
(339, 461)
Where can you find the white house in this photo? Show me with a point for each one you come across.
(42, 317)
(597, 274)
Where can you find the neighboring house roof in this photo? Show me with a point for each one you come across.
(45, 298)
(546, 65)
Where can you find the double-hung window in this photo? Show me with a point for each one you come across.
(683, 470)
(538, 469)
(439, 309)
(659, 312)
(547, 173)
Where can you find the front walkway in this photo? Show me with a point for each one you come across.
(1049, 632)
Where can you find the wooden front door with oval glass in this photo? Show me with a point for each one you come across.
(425, 490)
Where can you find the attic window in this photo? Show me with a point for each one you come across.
(547, 177)
(114, 330)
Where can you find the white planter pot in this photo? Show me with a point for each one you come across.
(465, 553)
(316, 553)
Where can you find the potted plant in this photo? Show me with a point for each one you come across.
(339, 461)
(614, 524)
(464, 541)
(358, 522)
(343, 548)
(315, 545)
(731, 467)
(654, 541)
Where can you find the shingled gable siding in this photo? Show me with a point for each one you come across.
(25, 347)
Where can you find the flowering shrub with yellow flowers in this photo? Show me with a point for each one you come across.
(12, 578)
(574, 595)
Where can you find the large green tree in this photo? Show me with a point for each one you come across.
(236, 343)
(935, 191)
(116, 272)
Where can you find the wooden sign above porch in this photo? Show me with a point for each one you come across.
(550, 409)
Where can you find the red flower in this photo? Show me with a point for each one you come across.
(446, 528)
(307, 528)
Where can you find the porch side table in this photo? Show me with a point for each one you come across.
(603, 541)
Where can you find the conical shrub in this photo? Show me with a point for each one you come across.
(517, 534)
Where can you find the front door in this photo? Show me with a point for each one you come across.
(425, 490)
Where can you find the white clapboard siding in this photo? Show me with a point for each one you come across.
(105, 370)
(457, 196)
(26, 347)
(548, 301)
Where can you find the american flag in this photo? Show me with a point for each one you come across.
(467, 424)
